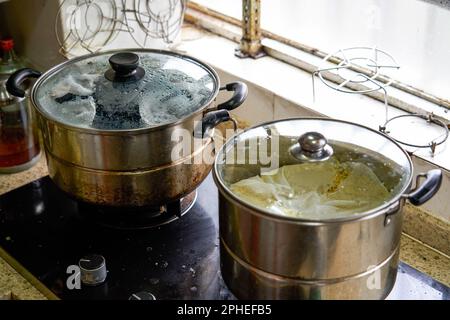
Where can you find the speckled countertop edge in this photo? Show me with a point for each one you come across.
(13, 181)
(20, 285)
(427, 228)
(14, 285)
(425, 259)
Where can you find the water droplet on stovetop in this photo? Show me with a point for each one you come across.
(154, 281)
(164, 264)
(193, 289)
(149, 249)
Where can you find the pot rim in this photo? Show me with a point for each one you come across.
(382, 209)
(49, 117)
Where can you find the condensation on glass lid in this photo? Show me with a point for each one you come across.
(171, 89)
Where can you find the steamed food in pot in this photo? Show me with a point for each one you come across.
(348, 183)
(314, 190)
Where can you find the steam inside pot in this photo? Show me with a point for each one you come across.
(80, 95)
(354, 180)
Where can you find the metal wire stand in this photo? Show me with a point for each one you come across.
(359, 70)
(91, 25)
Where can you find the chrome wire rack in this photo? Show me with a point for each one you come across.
(362, 70)
(91, 25)
(429, 118)
(365, 65)
(356, 70)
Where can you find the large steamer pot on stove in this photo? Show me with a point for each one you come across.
(313, 252)
(110, 123)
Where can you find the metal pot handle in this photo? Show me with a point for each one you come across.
(240, 94)
(13, 85)
(425, 191)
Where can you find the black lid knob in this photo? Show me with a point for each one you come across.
(124, 67)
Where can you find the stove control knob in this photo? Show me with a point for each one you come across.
(93, 269)
(143, 295)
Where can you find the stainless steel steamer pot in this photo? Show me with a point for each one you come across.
(98, 113)
(270, 256)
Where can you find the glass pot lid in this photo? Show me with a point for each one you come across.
(313, 169)
(125, 90)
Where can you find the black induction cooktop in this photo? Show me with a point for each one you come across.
(45, 232)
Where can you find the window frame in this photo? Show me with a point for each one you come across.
(255, 42)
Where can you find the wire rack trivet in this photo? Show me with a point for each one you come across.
(362, 70)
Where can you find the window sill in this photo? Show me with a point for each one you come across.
(279, 90)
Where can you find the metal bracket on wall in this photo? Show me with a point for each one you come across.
(250, 45)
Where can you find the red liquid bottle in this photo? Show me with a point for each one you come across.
(19, 143)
